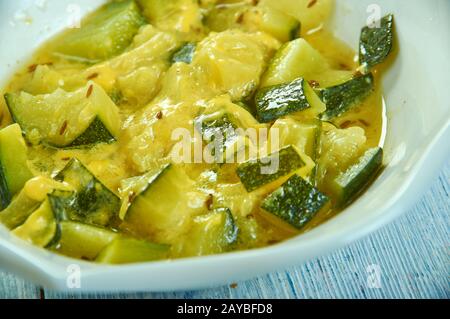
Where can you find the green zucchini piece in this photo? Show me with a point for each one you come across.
(105, 34)
(282, 26)
(91, 203)
(18, 211)
(161, 211)
(180, 15)
(211, 233)
(129, 250)
(223, 126)
(341, 98)
(40, 227)
(296, 202)
(304, 135)
(250, 18)
(82, 241)
(221, 130)
(293, 60)
(376, 43)
(66, 119)
(14, 171)
(257, 173)
(185, 53)
(277, 101)
(351, 182)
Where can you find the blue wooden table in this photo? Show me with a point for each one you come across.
(412, 255)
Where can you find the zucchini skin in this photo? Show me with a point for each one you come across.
(18, 210)
(92, 203)
(80, 240)
(277, 101)
(129, 250)
(96, 133)
(5, 194)
(14, 170)
(341, 98)
(351, 182)
(252, 173)
(104, 35)
(296, 202)
(184, 54)
(375, 44)
(101, 128)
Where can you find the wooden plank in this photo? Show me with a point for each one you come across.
(12, 287)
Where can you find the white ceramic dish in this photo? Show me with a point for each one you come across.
(417, 144)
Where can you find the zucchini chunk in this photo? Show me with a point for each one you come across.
(251, 18)
(293, 60)
(185, 53)
(211, 233)
(277, 101)
(14, 171)
(33, 193)
(180, 15)
(224, 123)
(40, 227)
(129, 250)
(376, 43)
(341, 98)
(257, 173)
(296, 202)
(91, 203)
(282, 26)
(161, 211)
(66, 119)
(18, 211)
(80, 240)
(351, 182)
(104, 34)
(304, 135)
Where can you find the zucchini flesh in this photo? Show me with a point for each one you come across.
(103, 35)
(18, 211)
(277, 101)
(40, 227)
(376, 43)
(341, 98)
(254, 18)
(351, 182)
(66, 119)
(129, 250)
(296, 202)
(293, 60)
(185, 53)
(223, 125)
(161, 211)
(304, 135)
(14, 171)
(257, 173)
(181, 15)
(91, 203)
(211, 233)
(82, 241)
(282, 26)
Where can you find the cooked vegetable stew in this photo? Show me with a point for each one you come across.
(91, 126)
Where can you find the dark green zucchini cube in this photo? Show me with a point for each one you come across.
(375, 43)
(296, 202)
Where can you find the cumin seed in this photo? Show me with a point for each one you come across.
(89, 91)
(311, 3)
(63, 128)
